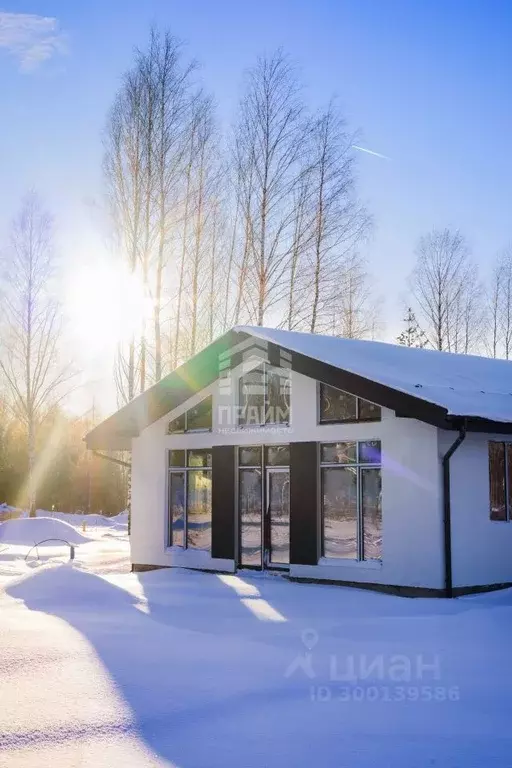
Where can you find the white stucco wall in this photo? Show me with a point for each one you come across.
(149, 494)
(411, 487)
(481, 547)
(412, 553)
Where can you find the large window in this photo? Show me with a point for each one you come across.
(351, 500)
(337, 406)
(500, 481)
(190, 498)
(196, 419)
(264, 396)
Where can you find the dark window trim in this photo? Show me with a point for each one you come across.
(358, 420)
(262, 467)
(358, 466)
(183, 470)
(186, 431)
(508, 507)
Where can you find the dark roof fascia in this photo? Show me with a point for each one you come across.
(404, 404)
(400, 402)
(476, 424)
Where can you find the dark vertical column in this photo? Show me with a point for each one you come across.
(223, 501)
(304, 547)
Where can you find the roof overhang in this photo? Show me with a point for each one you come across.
(117, 432)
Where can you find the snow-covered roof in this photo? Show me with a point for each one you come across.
(465, 385)
(445, 385)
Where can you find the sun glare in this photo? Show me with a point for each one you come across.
(106, 305)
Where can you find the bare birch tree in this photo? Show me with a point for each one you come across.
(269, 144)
(499, 303)
(228, 287)
(188, 205)
(442, 271)
(473, 313)
(123, 170)
(339, 221)
(204, 172)
(145, 147)
(506, 304)
(302, 236)
(173, 106)
(31, 360)
(356, 315)
(218, 269)
(494, 303)
(276, 240)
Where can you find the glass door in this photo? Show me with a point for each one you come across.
(251, 519)
(277, 519)
(263, 506)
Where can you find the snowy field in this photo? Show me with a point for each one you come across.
(100, 667)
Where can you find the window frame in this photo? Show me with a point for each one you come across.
(358, 420)
(184, 470)
(188, 431)
(262, 466)
(358, 466)
(240, 468)
(507, 446)
(266, 366)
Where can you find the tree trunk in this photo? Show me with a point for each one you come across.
(31, 467)
(242, 273)
(230, 267)
(197, 256)
(183, 253)
(262, 278)
(131, 370)
(211, 301)
(156, 320)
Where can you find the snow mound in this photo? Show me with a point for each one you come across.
(31, 530)
(93, 520)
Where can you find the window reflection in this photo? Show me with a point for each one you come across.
(339, 492)
(250, 517)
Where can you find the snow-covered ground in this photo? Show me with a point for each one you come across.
(100, 667)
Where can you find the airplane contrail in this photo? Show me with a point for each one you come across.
(370, 152)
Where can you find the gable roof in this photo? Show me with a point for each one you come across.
(463, 385)
(437, 387)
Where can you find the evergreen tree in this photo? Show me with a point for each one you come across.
(412, 335)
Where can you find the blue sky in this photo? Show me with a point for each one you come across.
(428, 82)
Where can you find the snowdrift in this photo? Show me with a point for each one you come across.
(31, 530)
(93, 520)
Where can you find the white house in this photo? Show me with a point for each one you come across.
(330, 459)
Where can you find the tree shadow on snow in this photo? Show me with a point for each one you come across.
(199, 658)
(166, 658)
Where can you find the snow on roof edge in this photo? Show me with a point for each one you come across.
(453, 397)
